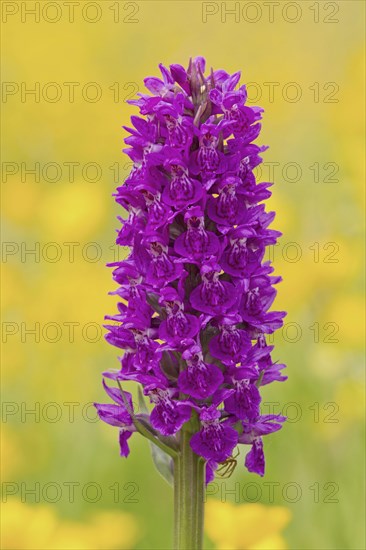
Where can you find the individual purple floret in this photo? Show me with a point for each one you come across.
(195, 289)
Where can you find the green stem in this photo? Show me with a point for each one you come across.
(189, 491)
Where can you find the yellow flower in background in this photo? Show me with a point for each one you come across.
(73, 209)
(21, 213)
(114, 530)
(11, 457)
(247, 526)
(350, 130)
(347, 308)
(37, 527)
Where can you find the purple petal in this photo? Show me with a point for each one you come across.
(254, 461)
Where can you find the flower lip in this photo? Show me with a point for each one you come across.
(175, 166)
(169, 294)
(210, 266)
(193, 212)
(229, 181)
(242, 232)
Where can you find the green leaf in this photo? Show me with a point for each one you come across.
(163, 463)
(259, 381)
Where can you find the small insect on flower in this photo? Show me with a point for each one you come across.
(227, 467)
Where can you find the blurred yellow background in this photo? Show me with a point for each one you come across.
(64, 484)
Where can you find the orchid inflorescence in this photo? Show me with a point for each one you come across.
(195, 289)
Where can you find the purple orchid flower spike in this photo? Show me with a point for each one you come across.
(195, 292)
